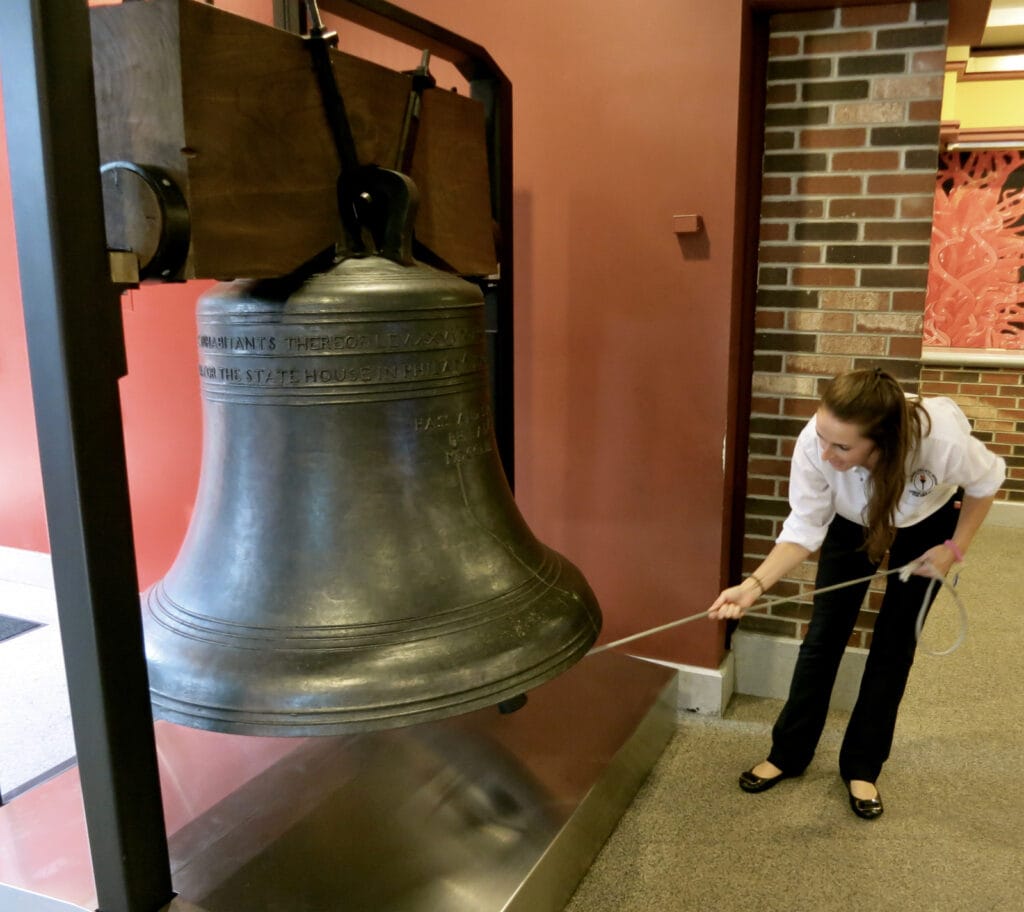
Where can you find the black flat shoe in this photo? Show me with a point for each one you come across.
(868, 808)
(751, 783)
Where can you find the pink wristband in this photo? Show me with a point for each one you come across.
(957, 553)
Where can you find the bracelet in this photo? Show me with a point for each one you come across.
(957, 553)
(760, 585)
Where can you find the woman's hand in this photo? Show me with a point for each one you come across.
(935, 562)
(734, 601)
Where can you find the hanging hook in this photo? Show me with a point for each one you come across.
(320, 41)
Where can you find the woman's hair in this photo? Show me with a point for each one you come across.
(874, 401)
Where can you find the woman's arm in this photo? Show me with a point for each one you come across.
(938, 560)
(734, 601)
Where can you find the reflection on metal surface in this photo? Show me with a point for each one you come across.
(394, 820)
(480, 813)
(355, 560)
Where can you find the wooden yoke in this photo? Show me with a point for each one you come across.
(229, 111)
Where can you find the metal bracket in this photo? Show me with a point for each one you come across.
(171, 251)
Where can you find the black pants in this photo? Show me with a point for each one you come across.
(870, 730)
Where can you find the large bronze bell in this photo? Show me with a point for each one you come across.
(355, 559)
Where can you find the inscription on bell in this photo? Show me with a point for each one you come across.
(382, 341)
(455, 421)
(455, 457)
(379, 371)
(377, 340)
(467, 433)
(237, 343)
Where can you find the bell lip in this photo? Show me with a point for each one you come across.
(561, 618)
(335, 722)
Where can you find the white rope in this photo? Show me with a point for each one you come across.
(961, 612)
(904, 574)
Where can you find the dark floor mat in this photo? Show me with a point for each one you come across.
(12, 626)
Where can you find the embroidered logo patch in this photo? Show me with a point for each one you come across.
(922, 482)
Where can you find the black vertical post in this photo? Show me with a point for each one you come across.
(489, 85)
(76, 355)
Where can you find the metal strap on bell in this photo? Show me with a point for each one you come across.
(355, 559)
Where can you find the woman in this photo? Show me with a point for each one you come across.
(874, 471)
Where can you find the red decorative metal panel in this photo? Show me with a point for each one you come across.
(976, 268)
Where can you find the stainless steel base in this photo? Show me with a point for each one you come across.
(478, 813)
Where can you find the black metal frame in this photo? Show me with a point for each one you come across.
(76, 355)
(489, 85)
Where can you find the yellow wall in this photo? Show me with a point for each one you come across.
(981, 104)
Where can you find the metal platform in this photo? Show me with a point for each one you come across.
(480, 813)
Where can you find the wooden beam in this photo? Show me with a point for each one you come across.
(230, 110)
(967, 20)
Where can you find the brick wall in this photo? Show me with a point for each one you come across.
(851, 146)
(993, 398)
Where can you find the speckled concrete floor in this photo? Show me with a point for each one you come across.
(35, 734)
(951, 838)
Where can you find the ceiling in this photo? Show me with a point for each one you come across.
(1004, 27)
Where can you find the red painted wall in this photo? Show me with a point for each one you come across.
(22, 524)
(622, 118)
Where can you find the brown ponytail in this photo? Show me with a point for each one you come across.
(874, 401)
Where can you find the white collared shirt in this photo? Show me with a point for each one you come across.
(948, 457)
